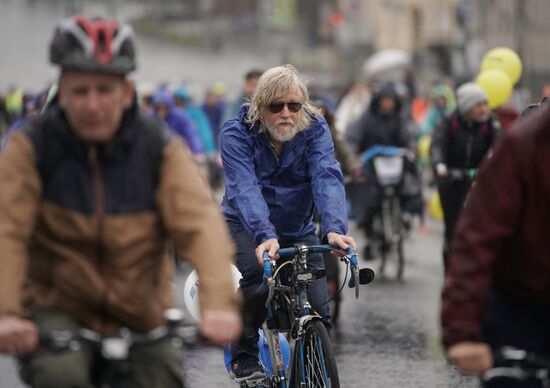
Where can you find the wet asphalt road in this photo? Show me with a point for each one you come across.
(389, 337)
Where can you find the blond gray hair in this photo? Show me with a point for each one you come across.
(272, 86)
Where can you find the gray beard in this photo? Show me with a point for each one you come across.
(287, 136)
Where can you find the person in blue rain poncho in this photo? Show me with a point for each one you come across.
(279, 166)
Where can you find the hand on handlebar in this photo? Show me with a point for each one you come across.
(441, 170)
(220, 327)
(270, 246)
(17, 335)
(341, 241)
(471, 357)
(357, 174)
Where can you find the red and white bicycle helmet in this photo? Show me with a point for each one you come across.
(97, 45)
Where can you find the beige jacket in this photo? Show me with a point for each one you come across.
(88, 234)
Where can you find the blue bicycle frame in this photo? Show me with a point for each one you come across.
(304, 312)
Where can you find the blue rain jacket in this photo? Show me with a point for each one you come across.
(274, 197)
(178, 121)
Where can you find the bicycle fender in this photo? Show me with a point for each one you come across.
(302, 321)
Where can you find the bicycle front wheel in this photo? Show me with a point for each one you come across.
(314, 362)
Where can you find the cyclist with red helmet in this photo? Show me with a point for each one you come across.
(92, 190)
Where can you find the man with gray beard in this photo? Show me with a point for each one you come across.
(279, 165)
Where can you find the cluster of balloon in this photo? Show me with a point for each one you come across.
(500, 71)
(191, 291)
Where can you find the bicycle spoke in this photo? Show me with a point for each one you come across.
(315, 368)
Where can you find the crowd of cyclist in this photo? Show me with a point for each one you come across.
(379, 112)
(229, 137)
(388, 113)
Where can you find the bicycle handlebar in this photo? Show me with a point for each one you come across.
(117, 347)
(459, 174)
(349, 257)
(517, 365)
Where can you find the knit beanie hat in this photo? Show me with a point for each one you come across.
(469, 95)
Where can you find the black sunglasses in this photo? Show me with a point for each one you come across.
(277, 107)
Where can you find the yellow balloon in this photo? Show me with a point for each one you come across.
(505, 59)
(496, 85)
(424, 148)
(434, 206)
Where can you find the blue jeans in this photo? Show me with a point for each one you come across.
(252, 274)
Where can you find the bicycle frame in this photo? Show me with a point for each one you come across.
(297, 304)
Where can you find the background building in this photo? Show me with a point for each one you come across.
(521, 25)
(328, 40)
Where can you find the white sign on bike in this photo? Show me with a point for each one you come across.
(191, 291)
(388, 169)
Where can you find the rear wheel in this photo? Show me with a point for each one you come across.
(314, 362)
(400, 260)
(398, 232)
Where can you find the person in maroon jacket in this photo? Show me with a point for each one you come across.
(497, 288)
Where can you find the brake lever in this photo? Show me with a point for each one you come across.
(354, 279)
(268, 270)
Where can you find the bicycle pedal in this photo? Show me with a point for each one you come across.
(253, 382)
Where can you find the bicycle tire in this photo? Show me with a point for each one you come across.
(320, 370)
(400, 260)
(398, 221)
(378, 249)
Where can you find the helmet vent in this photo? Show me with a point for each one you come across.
(93, 44)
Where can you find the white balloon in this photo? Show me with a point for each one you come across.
(191, 291)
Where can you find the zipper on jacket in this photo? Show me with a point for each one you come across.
(99, 212)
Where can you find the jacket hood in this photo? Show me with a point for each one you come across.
(242, 115)
(387, 89)
(163, 97)
(442, 90)
(183, 93)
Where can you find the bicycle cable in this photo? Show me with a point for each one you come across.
(279, 268)
(338, 292)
